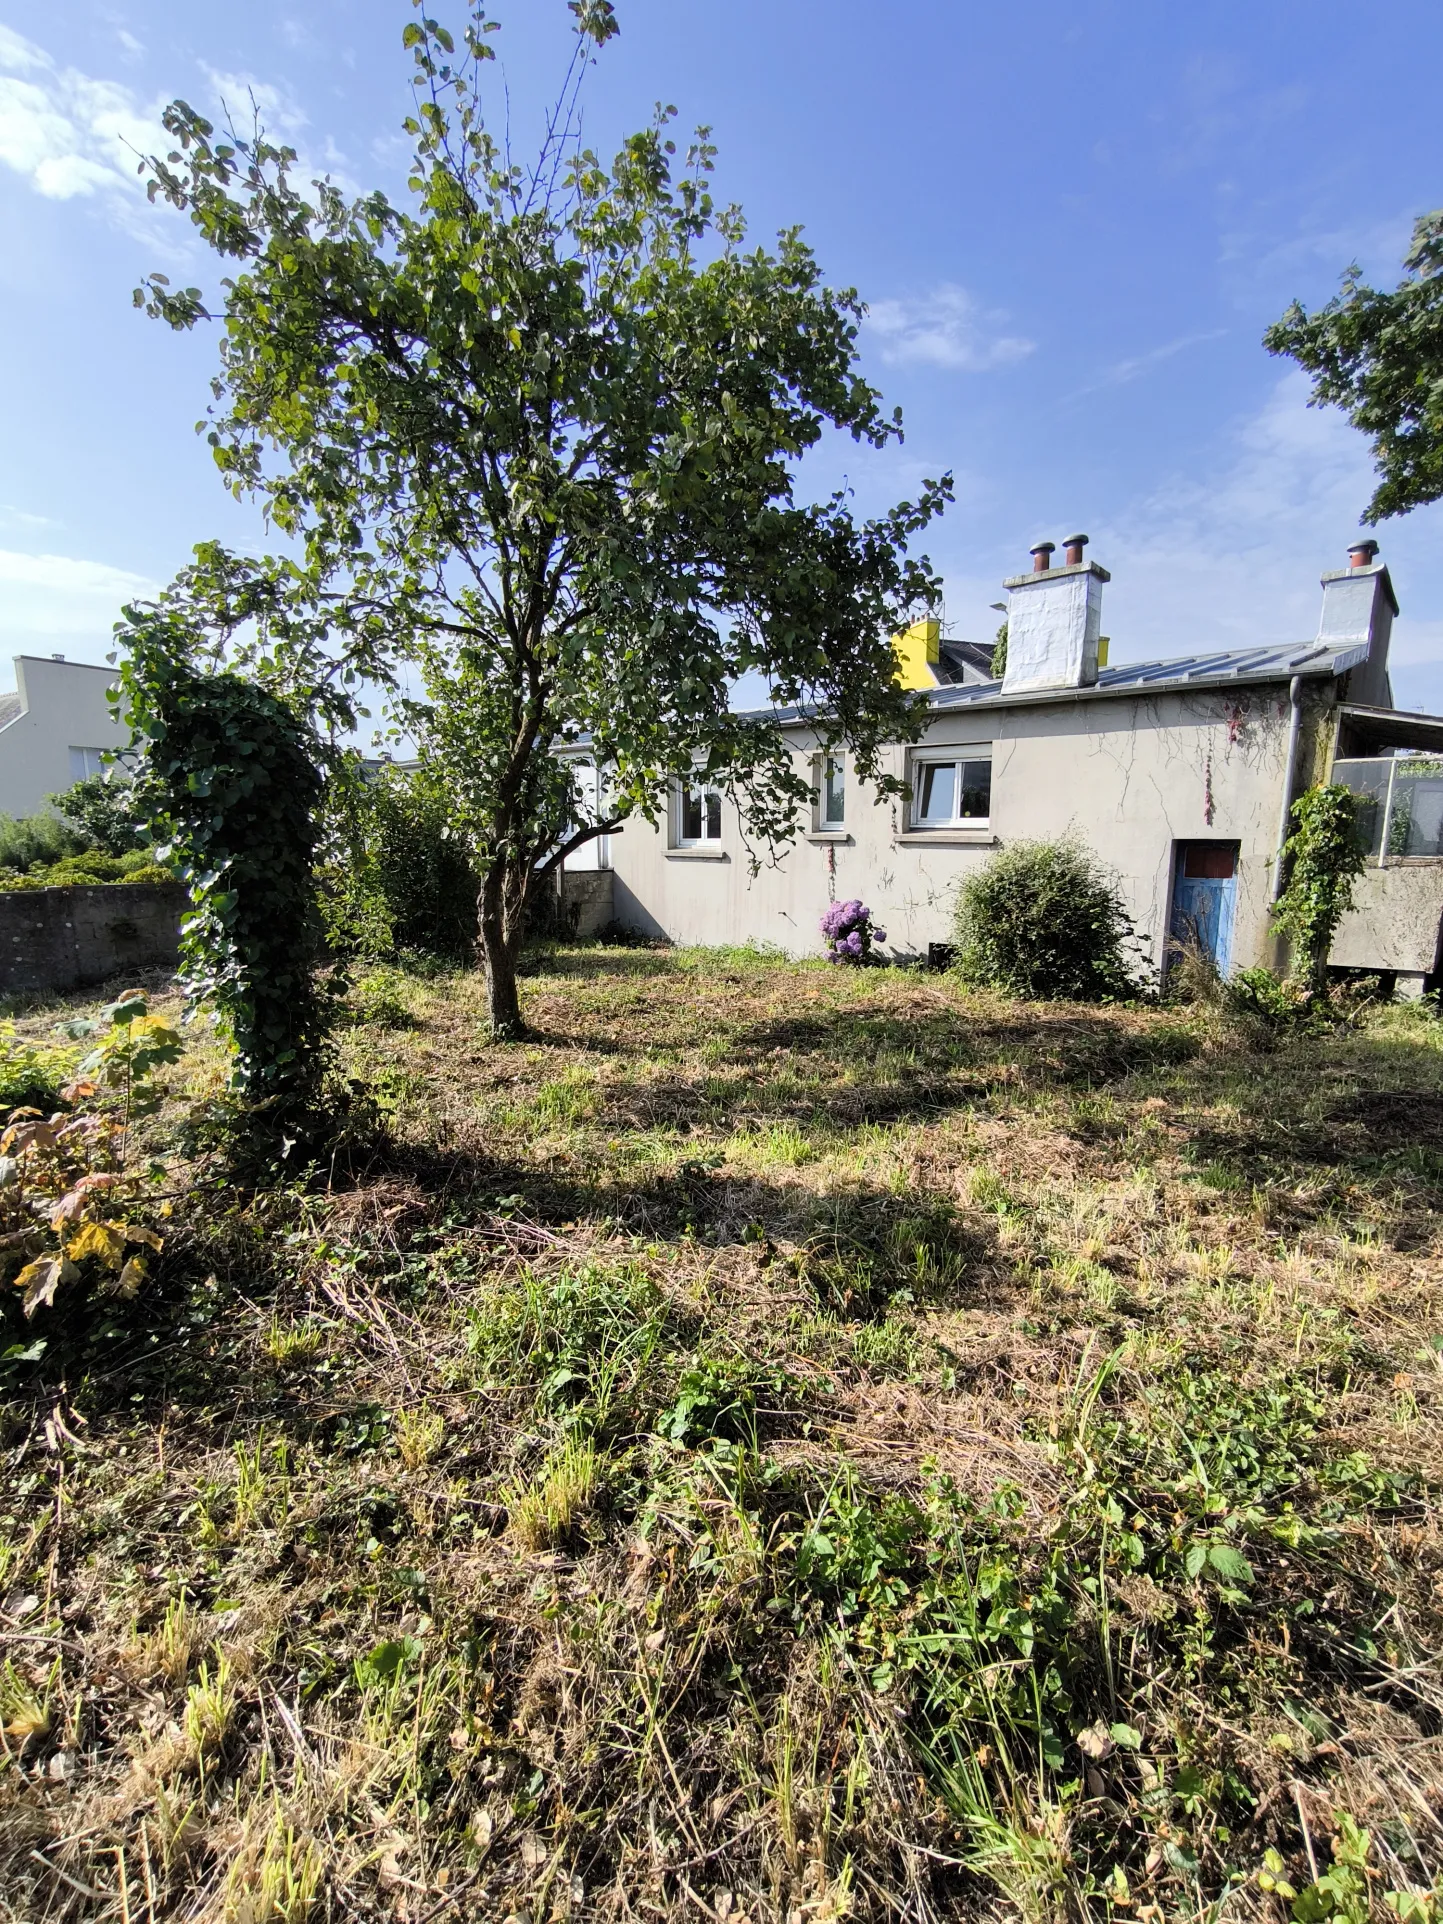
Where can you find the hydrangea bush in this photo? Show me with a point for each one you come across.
(850, 933)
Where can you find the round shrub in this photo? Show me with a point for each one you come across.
(1044, 920)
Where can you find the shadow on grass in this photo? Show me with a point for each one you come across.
(1366, 1109)
(1362, 1108)
(854, 1067)
(418, 1224)
(597, 963)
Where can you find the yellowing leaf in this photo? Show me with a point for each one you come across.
(104, 1241)
(131, 1277)
(157, 1029)
(138, 1233)
(42, 1278)
(28, 1718)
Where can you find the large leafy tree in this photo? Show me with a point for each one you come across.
(1380, 357)
(541, 428)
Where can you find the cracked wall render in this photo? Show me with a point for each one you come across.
(1130, 776)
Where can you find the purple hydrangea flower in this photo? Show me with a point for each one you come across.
(849, 933)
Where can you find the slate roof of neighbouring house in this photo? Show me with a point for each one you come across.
(958, 659)
(10, 707)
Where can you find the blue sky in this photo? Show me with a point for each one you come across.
(1072, 224)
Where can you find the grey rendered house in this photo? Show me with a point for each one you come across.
(1179, 773)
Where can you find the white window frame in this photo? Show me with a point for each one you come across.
(85, 762)
(954, 758)
(680, 838)
(596, 852)
(828, 824)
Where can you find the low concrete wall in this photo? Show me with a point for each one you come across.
(70, 938)
(1394, 920)
(587, 901)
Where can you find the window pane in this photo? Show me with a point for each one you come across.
(1210, 861)
(691, 814)
(1416, 827)
(936, 784)
(713, 815)
(85, 762)
(976, 790)
(1367, 776)
(834, 794)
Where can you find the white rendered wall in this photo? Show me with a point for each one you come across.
(64, 707)
(1131, 776)
(1395, 919)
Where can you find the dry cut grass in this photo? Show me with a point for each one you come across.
(778, 1444)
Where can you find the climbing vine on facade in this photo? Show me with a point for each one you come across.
(1325, 855)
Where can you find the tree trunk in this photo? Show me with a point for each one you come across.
(499, 939)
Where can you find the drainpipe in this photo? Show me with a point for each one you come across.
(1290, 775)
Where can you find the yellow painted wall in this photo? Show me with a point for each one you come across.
(917, 654)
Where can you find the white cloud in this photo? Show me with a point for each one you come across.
(47, 596)
(245, 101)
(946, 328)
(244, 98)
(22, 518)
(72, 136)
(69, 135)
(18, 55)
(1122, 372)
(1231, 558)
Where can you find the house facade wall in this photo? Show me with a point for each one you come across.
(1396, 921)
(65, 706)
(1132, 776)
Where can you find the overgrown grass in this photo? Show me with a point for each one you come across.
(778, 1443)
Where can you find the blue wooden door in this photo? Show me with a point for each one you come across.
(1204, 891)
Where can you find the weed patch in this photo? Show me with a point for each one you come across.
(791, 1443)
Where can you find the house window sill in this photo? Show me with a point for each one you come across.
(697, 855)
(828, 835)
(947, 838)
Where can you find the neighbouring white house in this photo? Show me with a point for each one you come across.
(54, 730)
(1180, 773)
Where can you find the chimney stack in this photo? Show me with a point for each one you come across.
(1054, 620)
(1358, 609)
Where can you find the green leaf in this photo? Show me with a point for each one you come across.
(1229, 1564)
(1125, 1737)
(386, 1660)
(1195, 1559)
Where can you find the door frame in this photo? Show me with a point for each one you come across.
(1180, 846)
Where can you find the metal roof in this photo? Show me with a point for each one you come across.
(1224, 669)
(1394, 727)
